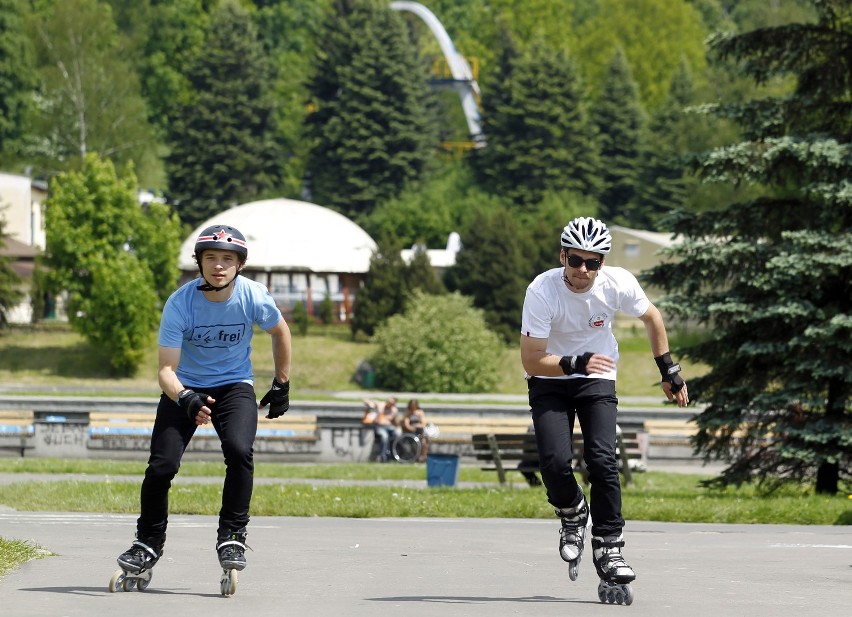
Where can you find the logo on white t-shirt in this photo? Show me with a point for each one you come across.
(598, 320)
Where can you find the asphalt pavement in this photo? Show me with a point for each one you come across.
(430, 567)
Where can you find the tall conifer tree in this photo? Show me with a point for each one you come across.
(620, 121)
(372, 130)
(772, 277)
(224, 148)
(537, 127)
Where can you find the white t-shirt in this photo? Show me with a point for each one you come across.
(574, 323)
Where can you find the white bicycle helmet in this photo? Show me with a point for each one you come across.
(587, 234)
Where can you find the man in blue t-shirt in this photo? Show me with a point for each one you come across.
(206, 376)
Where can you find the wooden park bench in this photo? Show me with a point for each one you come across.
(520, 451)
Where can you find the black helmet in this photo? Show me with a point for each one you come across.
(221, 237)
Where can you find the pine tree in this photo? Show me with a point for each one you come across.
(372, 130)
(537, 128)
(666, 183)
(620, 122)
(384, 290)
(420, 275)
(492, 271)
(17, 80)
(772, 277)
(223, 147)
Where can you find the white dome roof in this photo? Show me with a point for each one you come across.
(287, 235)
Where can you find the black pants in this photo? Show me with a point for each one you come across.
(235, 420)
(554, 404)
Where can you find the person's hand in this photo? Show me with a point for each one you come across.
(681, 396)
(673, 384)
(194, 405)
(278, 399)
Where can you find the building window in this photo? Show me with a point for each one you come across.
(631, 249)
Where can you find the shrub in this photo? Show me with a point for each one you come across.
(439, 344)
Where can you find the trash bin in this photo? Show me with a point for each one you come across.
(442, 469)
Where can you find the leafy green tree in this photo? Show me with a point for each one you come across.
(538, 132)
(17, 70)
(492, 271)
(429, 211)
(291, 32)
(439, 344)
(620, 122)
(89, 98)
(223, 143)
(120, 310)
(372, 131)
(771, 277)
(384, 290)
(164, 38)
(109, 256)
(654, 34)
(10, 282)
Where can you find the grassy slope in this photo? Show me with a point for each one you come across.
(323, 361)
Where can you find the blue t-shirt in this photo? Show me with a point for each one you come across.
(215, 337)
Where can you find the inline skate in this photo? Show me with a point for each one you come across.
(572, 534)
(613, 571)
(135, 565)
(231, 549)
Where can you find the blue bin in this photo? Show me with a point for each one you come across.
(442, 469)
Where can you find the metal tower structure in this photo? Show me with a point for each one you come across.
(462, 76)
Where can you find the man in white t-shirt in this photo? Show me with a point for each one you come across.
(570, 356)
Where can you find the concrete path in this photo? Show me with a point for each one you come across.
(430, 567)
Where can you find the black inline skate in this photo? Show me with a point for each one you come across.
(231, 549)
(135, 565)
(573, 534)
(613, 571)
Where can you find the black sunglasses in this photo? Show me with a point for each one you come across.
(575, 261)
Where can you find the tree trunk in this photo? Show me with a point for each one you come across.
(828, 476)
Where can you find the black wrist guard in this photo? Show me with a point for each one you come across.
(669, 371)
(575, 364)
(191, 401)
(278, 399)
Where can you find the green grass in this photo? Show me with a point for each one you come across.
(655, 496)
(41, 358)
(15, 552)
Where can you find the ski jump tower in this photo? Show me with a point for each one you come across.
(462, 76)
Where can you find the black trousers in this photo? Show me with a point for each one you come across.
(235, 420)
(555, 403)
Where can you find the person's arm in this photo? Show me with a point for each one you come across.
(193, 403)
(672, 384)
(282, 350)
(278, 397)
(169, 358)
(538, 362)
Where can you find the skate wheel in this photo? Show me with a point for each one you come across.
(228, 582)
(128, 584)
(144, 580)
(628, 595)
(115, 583)
(574, 570)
